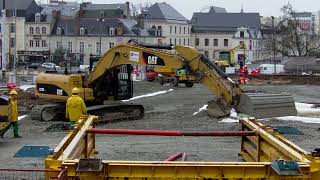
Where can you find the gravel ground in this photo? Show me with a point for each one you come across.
(170, 111)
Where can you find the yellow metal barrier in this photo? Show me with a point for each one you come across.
(76, 154)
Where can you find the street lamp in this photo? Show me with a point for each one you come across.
(100, 20)
(274, 45)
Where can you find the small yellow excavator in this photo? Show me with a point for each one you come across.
(110, 80)
(4, 121)
(226, 58)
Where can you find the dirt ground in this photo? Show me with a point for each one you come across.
(170, 111)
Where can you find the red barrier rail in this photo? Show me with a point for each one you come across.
(174, 157)
(170, 133)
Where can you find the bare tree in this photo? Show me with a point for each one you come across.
(290, 39)
(137, 9)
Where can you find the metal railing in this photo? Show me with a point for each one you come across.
(31, 174)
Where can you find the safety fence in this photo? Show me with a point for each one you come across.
(32, 174)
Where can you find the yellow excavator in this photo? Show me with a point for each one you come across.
(110, 81)
(226, 58)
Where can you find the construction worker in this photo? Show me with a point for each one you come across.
(75, 107)
(13, 112)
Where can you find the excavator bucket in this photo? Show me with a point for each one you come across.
(261, 105)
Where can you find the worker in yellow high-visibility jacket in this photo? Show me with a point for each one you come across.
(13, 112)
(75, 107)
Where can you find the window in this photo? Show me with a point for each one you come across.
(241, 42)
(44, 30)
(179, 30)
(12, 27)
(70, 47)
(82, 31)
(206, 42)
(184, 30)
(170, 29)
(43, 43)
(101, 13)
(188, 42)
(58, 45)
(59, 31)
(197, 41)
(206, 53)
(12, 42)
(81, 47)
(170, 41)
(98, 51)
(31, 30)
(179, 41)
(225, 42)
(188, 30)
(37, 30)
(241, 33)
(175, 29)
(37, 17)
(37, 43)
(31, 43)
(111, 45)
(175, 41)
(184, 42)
(215, 42)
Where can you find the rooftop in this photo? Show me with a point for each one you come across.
(163, 11)
(219, 20)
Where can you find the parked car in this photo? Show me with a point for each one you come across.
(50, 66)
(83, 68)
(34, 65)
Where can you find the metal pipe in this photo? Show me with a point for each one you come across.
(184, 156)
(170, 133)
(174, 157)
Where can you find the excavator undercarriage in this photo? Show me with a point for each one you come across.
(107, 112)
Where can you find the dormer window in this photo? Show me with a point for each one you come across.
(37, 17)
(59, 31)
(112, 31)
(101, 14)
(82, 31)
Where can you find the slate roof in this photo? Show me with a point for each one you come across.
(66, 8)
(18, 4)
(104, 6)
(92, 26)
(224, 22)
(163, 11)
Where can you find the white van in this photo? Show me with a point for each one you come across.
(269, 68)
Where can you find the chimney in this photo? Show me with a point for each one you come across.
(141, 21)
(128, 13)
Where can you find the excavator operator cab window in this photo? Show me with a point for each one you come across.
(119, 83)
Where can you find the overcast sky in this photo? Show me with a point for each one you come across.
(264, 7)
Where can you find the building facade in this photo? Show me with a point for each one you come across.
(174, 28)
(14, 39)
(216, 31)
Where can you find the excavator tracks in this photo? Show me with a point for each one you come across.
(116, 112)
(106, 113)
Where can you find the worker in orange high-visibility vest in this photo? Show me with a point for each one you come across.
(243, 80)
(13, 112)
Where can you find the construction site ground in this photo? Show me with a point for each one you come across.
(172, 110)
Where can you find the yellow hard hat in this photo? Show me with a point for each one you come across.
(13, 92)
(75, 90)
